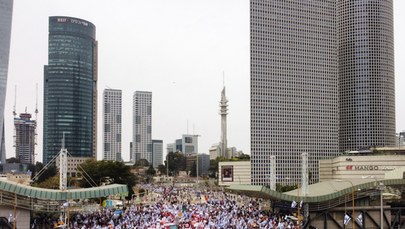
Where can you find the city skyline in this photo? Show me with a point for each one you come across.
(180, 61)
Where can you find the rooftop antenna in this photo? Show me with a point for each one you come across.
(223, 78)
(15, 101)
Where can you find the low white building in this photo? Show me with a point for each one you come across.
(357, 166)
(234, 172)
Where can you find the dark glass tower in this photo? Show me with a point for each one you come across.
(70, 88)
(366, 74)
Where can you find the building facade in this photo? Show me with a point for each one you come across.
(187, 144)
(142, 126)
(25, 131)
(70, 88)
(362, 166)
(6, 14)
(157, 153)
(112, 124)
(294, 86)
(234, 172)
(366, 74)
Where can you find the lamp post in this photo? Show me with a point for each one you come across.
(380, 187)
(351, 183)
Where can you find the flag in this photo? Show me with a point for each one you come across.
(301, 204)
(293, 204)
(346, 220)
(359, 219)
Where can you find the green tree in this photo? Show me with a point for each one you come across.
(244, 157)
(162, 169)
(193, 172)
(151, 171)
(12, 160)
(177, 162)
(116, 171)
(46, 173)
(49, 183)
(141, 163)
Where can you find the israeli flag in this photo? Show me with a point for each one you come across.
(293, 204)
(359, 219)
(347, 219)
(301, 204)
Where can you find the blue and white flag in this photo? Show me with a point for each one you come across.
(347, 219)
(359, 219)
(293, 204)
(301, 204)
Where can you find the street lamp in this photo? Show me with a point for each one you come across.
(381, 188)
(352, 199)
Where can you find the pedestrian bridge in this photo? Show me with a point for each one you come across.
(327, 202)
(19, 200)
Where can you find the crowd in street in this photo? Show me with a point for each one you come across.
(185, 208)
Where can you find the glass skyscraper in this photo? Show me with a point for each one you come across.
(294, 87)
(70, 88)
(366, 74)
(6, 13)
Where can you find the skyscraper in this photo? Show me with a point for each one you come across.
(25, 131)
(366, 74)
(70, 88)
(157, 153)
(294, 86)
(6, 13)
(112, 116)
(142, 126)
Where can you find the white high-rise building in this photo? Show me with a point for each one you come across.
(6, 13)
(142, 126)
(294, 86)
(112, 120)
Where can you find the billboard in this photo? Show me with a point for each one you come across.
(227, 173)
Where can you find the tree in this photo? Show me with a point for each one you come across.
(141, 163)
(46, 174)
(151, 171)
(116, 171)
(12, 160)
(49, 183)
(162, 169)
(244, 157)
(193, 172)
(176, 162)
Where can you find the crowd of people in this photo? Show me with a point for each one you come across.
(185, 208)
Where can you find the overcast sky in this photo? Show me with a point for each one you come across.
(176, 49)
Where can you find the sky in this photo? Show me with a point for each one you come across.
(183, 51)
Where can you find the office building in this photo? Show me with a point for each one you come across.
(142, 126)
(157, 153)
(294, 87)
(187, 144)
(6, 14)
(112, 120)
(70, 88)
(24, 139)
(366, 74)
